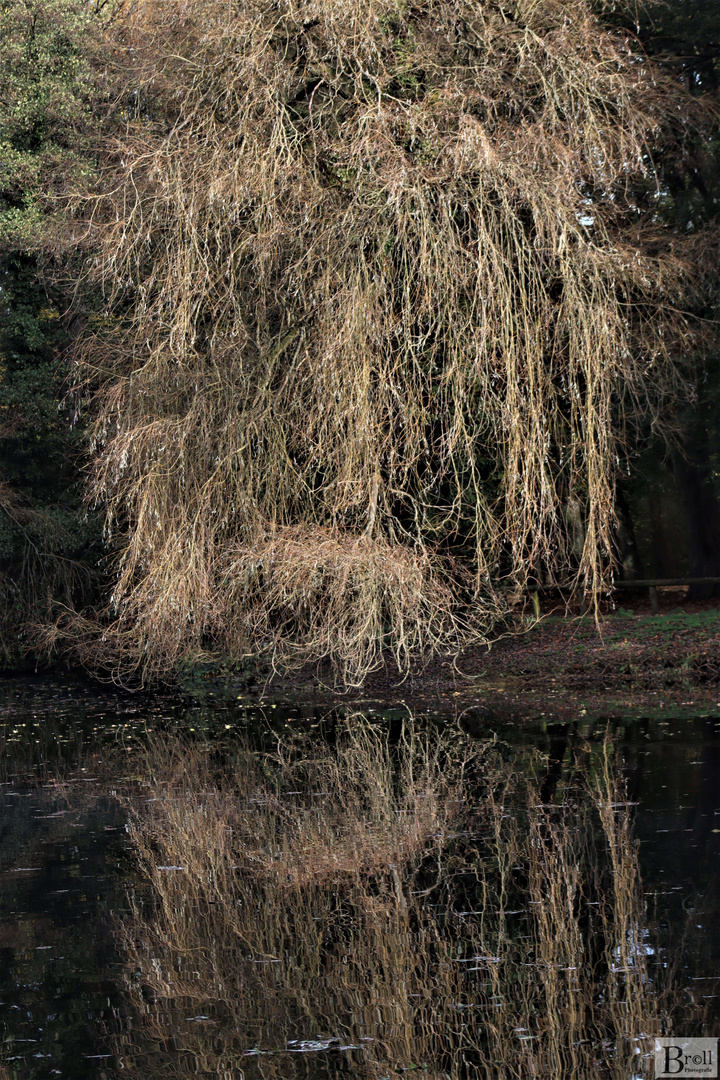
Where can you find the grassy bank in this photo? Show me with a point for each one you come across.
(630, 650)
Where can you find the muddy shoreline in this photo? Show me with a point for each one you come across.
(566, 666)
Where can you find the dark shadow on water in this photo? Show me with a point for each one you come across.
(364, 894)
(391, 906)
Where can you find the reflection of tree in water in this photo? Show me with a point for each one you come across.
(375, 908)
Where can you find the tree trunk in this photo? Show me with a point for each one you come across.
(626, 550)
(702, 513)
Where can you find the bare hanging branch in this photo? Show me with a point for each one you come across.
(386, 293)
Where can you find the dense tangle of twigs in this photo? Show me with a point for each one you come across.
(386, 291)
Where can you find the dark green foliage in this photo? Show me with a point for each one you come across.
(673, 493)
(47, 94)
(684, 35)
(49, 546)
(683, 38)
(687, 34)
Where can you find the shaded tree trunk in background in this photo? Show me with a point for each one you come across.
(628, 556)
(684, 37)
(661, 549)
(702, 510)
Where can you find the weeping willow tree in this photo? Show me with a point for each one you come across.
(386, 294)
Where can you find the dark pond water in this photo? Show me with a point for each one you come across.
(68, 878)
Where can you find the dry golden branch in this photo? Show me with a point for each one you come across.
(386, 292)
(416, 902)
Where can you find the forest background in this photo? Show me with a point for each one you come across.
(327, 329)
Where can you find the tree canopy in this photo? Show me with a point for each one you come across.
(387, 289)
(50, 98)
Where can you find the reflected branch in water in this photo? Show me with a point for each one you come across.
(377, 907)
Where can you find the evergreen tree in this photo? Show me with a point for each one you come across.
(49, 547)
